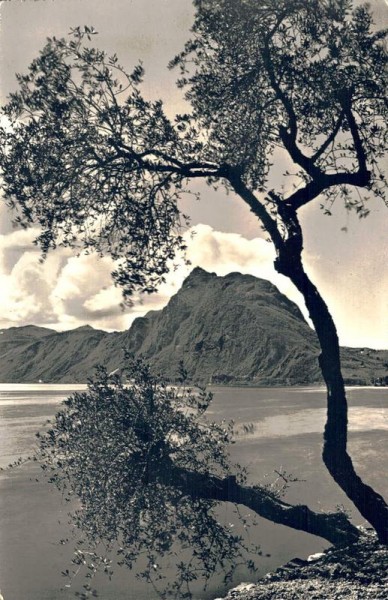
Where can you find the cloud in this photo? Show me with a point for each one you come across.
(25, 291)
(65, 291)
(62, 291)
(84, 293)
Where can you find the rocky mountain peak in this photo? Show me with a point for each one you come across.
(198, 276)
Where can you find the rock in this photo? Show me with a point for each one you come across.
(358, 572)
(316, 556)
(296, 562)
(243, 587)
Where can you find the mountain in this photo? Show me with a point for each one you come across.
(235, 329)
(228, 329)
(49, 357)
(18, 336)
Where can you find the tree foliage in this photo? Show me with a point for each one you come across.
(147, 471)
(114, 448)
(306, 76)
(101, 168)
(64, 161)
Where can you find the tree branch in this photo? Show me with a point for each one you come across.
(329, 139)
(171, 165)
(288, 134)
(335, 527)
(358, 146)
(255, 205)
(324, 181)
(289, 142)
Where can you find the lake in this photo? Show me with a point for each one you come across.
(277, 428)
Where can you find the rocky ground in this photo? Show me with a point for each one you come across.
(357, 572)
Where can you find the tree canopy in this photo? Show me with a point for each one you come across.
(100, 167)
(126, 452)
(290, 74)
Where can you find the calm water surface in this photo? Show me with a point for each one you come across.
(276, 429)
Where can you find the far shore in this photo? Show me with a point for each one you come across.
(234, 384)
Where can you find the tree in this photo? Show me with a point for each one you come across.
(148, 469)
(101, 168)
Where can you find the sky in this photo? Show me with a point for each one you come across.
(346, 257)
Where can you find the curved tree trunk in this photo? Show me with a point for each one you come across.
(289, 246)
(371, 505)
(334, 527)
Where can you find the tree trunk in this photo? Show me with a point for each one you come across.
(371, 505)
(338, 462)
(334, 527)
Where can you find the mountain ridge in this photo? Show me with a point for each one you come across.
(235, 329)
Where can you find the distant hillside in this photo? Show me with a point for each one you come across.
(234, 329)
